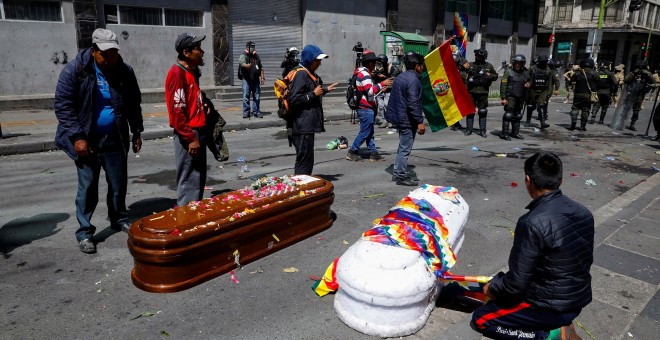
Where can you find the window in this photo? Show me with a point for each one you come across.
(565, 11)
(179, 17)
(471, 7)
(500, 9)
(140, 16)
(36, 10)
(527, 11)
(153, 16)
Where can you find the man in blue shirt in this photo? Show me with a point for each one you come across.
(96, 100)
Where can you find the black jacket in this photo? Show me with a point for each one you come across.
(73, 101)
(551, 256)
(306, 107)
(404, 109)
(585, 79)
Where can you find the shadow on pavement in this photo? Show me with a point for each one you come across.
(149, 206)
(24, 230)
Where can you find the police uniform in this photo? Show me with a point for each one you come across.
(619, 76)
(567, 82)
(539, 94)
(607, 87)
(513, 89)
(584, 81)
(641, 82)
(481, 75)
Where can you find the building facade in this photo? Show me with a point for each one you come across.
(626, 36)
(41, 36)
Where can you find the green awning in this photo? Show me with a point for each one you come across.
(407, 37)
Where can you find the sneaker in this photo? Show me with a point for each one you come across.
(258, 116)
(518, 136)
(374, 157)
(352, 156)
(87, 246)
(122, 227)
(246, 116)
(407, 182)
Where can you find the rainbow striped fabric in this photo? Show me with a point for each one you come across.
(445, 99)
(415, 224)
(460, 32)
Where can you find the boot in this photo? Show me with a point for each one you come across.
(583, 125)
(469, 124)
(482, 127)
(631, 127)
(515, 131)
(505, 131)
(602, 116)
(528, 122)
(572, 128)
(543, 115)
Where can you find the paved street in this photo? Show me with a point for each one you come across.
(50, 289)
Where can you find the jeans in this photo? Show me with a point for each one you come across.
(190, 171)
(304, 144)
(406, 140)
(251, 87)
(366, 133)
(107, 153)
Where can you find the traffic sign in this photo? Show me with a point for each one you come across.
(564, 47)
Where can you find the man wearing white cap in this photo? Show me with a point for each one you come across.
(97, 99)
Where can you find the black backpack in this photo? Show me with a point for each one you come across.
(353, 95)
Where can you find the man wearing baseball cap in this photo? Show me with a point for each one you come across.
(186, 112)
(97, 100)
(367, 107)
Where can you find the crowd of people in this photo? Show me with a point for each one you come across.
(98, 108)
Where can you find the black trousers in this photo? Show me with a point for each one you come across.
(520, 321)
(304, 144)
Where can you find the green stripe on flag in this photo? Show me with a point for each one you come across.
(430, 105)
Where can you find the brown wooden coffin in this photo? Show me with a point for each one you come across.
(185, 246)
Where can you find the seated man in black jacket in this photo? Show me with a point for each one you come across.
(548, 282)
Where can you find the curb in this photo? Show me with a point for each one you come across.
(42, 146)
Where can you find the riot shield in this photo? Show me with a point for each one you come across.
(628, 98)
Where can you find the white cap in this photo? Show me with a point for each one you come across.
(293, 49)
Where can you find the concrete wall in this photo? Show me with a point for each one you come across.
(150, 49)
(33, 53)
(337, 26)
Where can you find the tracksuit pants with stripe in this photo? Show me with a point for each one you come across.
(519, 321)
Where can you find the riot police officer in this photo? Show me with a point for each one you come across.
(555, 83)
(513, 91)
(607, 87)
(480, 75)
(539, 93)
(584, 81)
(641, 82)
(291, 61)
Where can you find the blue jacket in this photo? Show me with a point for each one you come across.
(73, 101)
(404, 109)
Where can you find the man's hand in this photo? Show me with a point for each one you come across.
(421, 129)
(318, 90)
(193, 148)
(137, 143)
(332, 86)
(528, 85)
(386, 82)
(504, 102)
(262, 81)
(487, 291)
(82, 149)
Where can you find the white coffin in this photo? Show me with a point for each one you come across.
(390, 291)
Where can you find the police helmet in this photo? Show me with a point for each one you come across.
(520, 59)
(542, 58)
(382, 58)
(551, 63)
(587, 63)
(481, 53)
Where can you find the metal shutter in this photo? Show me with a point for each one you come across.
(252, 20)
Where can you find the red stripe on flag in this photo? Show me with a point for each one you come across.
(500, 313)
(461, 95)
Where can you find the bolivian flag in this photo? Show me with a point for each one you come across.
(445, 98)
(327, 284)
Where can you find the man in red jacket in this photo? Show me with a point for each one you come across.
(186, 112)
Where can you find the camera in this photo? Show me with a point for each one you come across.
(358, 49)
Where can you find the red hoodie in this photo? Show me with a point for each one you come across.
(184, 102)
